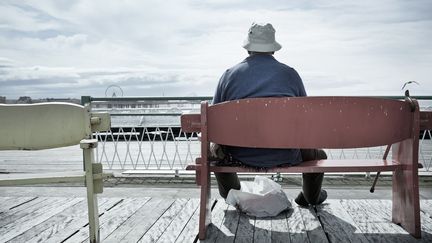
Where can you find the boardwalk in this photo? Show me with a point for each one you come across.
(153, 219)
(156, 155)
(36, 215)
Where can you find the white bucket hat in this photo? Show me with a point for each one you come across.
(261, 38)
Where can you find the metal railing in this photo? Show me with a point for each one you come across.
(146, 134)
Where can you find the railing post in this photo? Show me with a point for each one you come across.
(85, 100)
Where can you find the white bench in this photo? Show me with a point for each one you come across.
(54, 125)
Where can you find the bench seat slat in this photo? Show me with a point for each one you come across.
(316, 166)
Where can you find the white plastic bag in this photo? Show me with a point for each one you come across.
(260, 198)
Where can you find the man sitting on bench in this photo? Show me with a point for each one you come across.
(261, 75)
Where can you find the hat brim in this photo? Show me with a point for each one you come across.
(262, 47)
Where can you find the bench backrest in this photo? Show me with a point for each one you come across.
(43, 125)
(309, 122)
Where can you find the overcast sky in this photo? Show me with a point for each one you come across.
(65, 48)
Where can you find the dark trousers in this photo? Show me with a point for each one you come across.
(311, 181)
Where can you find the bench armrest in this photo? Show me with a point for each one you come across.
(425, 120)
(191, 123)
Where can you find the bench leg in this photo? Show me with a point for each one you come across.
(406, 205)
(92, 203)
(205, 210)
(198, 172)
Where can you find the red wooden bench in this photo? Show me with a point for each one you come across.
(316, 122)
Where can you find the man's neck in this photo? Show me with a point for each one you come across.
(252, 53)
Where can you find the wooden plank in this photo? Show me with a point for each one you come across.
(4, 201)
(342, 122)
(10, 231)
(245, 229)
(15, 214)
(40, 168)
(119, 215)
(41, 178)
(426, 220)
(81, 223)
(338, 224)
(137, 225)
(313, 227)
(228, 228)
(296, 227)
(180, 221)
(190, 231)
(426, 227)
(279, 228)
(51, 225)
(15, 208)
(383, 209)
(217, 227)
(426, 206)
(263, 230)
(316, 166)
(112, 218)
(7, 203)
(164, 221)
(373, 220)
(58, 223)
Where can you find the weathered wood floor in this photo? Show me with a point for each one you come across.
(61, 219)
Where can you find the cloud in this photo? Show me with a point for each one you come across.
(40, 81)
(182, 47)
(25, 18)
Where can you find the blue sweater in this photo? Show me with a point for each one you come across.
(260, 75)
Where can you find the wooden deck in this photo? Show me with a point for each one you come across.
(64, 219)
(70, 158)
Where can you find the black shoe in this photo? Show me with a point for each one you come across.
(301, 200)
(322, 197)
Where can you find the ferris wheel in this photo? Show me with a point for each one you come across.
(114, 91)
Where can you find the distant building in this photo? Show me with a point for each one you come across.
(24, 100)
(147, 104)
(29, 100)
(68, 100)
(2, 99)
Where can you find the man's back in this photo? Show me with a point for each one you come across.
(260, 75)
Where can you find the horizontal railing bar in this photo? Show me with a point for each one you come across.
(156, 98)
(197, 98)
(146, 114)
(421, 97)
